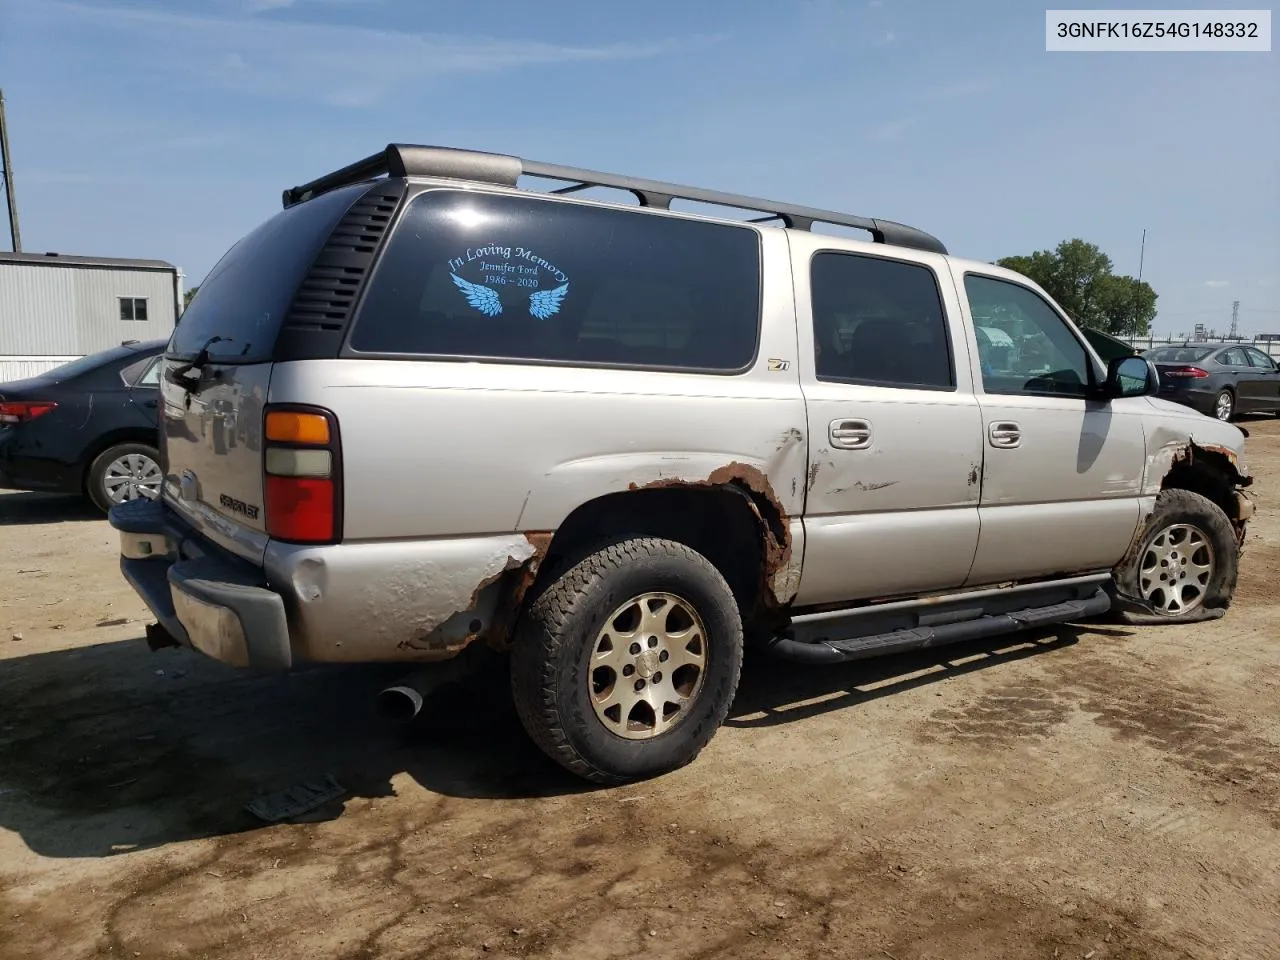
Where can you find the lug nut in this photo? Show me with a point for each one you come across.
(639, 685)
(635, 649)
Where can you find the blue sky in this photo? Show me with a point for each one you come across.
(168, 129)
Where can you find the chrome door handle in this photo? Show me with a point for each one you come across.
(1005, 434)
(850, 434)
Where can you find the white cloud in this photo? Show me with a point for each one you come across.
(1217, 283)
(886, 38)
(335, 64)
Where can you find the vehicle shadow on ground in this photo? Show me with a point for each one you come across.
(773, 692)
(17, 509)
(110, 748)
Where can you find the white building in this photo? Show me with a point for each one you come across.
(55, 308)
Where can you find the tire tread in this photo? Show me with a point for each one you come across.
(544, 630)
(1170, 505)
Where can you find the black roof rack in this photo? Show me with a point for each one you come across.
(406, 160)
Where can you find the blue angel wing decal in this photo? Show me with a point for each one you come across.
(484, 299)
(546, 303)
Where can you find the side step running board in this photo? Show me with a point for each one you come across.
(916, 638)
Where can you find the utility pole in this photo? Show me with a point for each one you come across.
(1235, 319)
(1142, 255)
(6, 161)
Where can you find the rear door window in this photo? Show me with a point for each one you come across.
(142, 373)
(879, 321)
(526, 279)
(244, 298)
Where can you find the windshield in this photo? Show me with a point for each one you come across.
(1179, 354)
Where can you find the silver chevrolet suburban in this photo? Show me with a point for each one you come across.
(448, 401)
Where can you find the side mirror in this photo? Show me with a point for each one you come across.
(1132, 377)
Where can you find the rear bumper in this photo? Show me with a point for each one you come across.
(415, 600)
(207, 601)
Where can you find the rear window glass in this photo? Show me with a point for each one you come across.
(245, 297)
(94, 361)
(75, 368)
(1178, 354)
(469, 275)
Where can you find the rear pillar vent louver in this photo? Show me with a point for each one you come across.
(321, 310)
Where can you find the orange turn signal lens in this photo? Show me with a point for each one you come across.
(288, 426)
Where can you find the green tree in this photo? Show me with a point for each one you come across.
(1078, 276)
(1127, 306)
(186, 297)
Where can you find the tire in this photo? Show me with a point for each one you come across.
(1224, 405)
(143, 481)
(563, 701)
(1187, 530)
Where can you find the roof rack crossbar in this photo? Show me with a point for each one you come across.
(401, 160)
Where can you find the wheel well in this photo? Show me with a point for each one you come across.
(720, 522)
(1210, 474)
(110, 439)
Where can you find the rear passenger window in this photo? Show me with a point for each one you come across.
(879, 321)
(471, 275)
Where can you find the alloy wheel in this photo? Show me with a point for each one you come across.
(1177, 567)
(648, 664)
(130, 477)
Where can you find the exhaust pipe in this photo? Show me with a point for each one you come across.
(400, 703)
(403, 701)
(158, 638)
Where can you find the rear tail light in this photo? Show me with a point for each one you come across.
(20, 411)
(302, 463)
(1184, 373)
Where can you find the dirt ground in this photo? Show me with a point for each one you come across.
(1075, 793)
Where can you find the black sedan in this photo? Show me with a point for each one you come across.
(86, 427)
(1219, 379)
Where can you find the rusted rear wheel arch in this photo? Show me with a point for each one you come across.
(723, 522)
